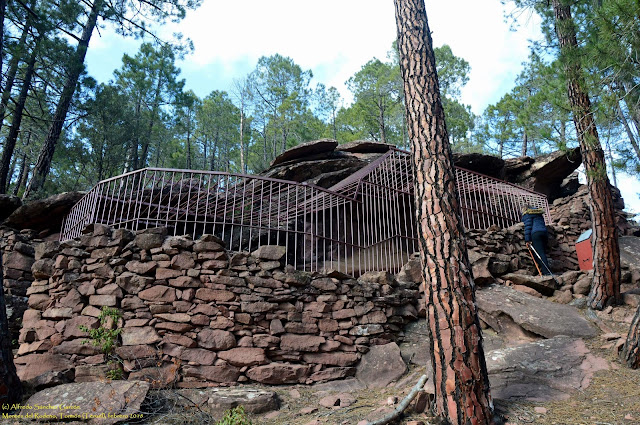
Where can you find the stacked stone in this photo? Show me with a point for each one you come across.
(17, 258)
(193, 317)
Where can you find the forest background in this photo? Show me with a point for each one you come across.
(229, 85)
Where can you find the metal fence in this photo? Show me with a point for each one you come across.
(365, 222)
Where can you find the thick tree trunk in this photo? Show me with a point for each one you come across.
(12, 137)
(630, 354)
(605, 288)
(459, 369)
(10, 386)
(43, 163)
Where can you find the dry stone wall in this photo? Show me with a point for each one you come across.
(192, 316)
(18, 253)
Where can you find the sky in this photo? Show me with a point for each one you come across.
(334, 39)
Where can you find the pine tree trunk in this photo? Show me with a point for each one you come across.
(13, 69)
(242, 165)
(43, 163)
(630, 353)
(24, 171)
(12, 137)
(459, 369)
(605, 288)
(10, 386)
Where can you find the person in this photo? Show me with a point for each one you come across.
(535, 234)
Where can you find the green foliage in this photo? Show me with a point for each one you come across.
(235, 416)
(106, 335)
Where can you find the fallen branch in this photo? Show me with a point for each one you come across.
(403, 404)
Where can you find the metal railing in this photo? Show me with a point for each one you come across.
(365, 222)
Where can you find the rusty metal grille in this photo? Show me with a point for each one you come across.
(365, 222)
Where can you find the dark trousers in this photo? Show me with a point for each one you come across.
(539, 242)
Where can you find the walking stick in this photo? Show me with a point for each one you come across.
(545, 266)
(535, 263)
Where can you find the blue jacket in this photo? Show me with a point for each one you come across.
(533, 223)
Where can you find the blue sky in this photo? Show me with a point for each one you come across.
(333, 39)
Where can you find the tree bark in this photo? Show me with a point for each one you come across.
(43, 164)
(605, 288)
(12, 137)
(13, 69)
(630, 354)
(460, 376)
(24, 171)
(10, 386)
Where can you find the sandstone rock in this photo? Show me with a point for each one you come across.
(47, 249)
(148, 240)
(295, 342)
(104, 402)
(304, 150)
(174, 317)
(278, 373)
(334, 359)
(244, 356)
(133, 283)
(182, 261)
(583, 284)
(137, 336)
(538, 316)
(30, 216)
(33, 366)
(219, 373)
(216, 339)
(543, 284)
(198, 355)
(58, 313)
(270, 252)
(42, 269)
(158, 293)
(332, 373)
(206, 294)
(337, 401)
(141, 267)
(184, 282)
(103, 300)
(18, 261)
(8, 204)
(76, 346)
(257, 307)
(364, 146)
(547, 370)
(382, 365)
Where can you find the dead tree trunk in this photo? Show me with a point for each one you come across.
(10, 386)
(459, 369)
(605, 288)
(43, 164)
(630, 353)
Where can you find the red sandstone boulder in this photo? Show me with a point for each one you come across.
(158, 293)
(199, 356)
(136, 336)
(244, 356)
(216, 339)
(295, 342)
(218, 373)
(382, 365)
(334, 359)
(207, 295)
(279, 373)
